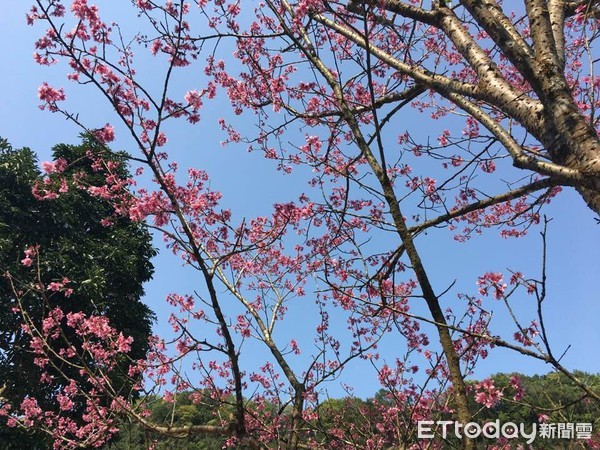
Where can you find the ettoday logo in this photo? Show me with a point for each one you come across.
(428, 429)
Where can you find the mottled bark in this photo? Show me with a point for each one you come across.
(549, 113)
(573, 143)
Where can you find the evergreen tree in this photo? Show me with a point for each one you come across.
(106, 266)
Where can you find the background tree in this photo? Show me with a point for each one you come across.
(328, 85)
(180, 411)
(63, 239)
(552, 397)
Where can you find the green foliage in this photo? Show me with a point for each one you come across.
(354, 418)
(182, 412)
(551, 394)
(107, 266)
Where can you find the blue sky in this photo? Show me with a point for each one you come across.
(573, 306)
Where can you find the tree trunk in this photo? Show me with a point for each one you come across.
(572, 142)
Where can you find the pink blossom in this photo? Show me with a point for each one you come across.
(161, 139)
(30, 252)
(27, 261)
(50, 96)
(492, 280)
(515, 383)
(487, 394)
(194, 99)
(105, 134)
(54, 286)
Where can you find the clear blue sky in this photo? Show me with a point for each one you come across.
(573, 309)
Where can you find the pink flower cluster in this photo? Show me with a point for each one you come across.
(487, 394)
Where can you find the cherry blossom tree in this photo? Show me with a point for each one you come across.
(511, 100)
